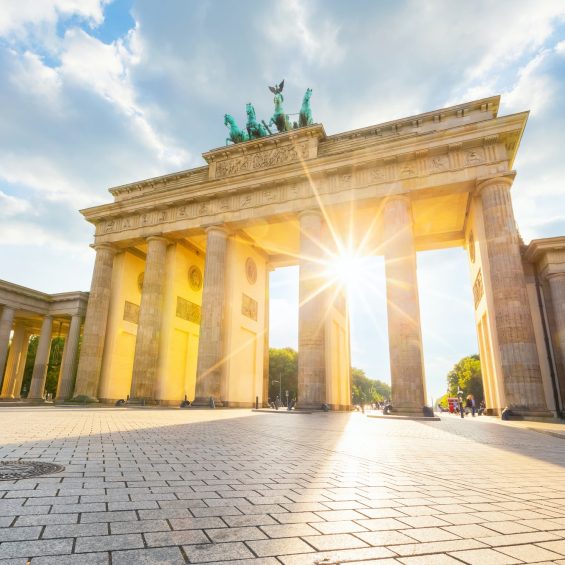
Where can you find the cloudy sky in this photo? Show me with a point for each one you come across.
(97, 93)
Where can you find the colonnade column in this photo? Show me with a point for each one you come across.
(39, 374)
(265, 398)
(312, 313)
(90, 362)
(210, 369)
(519, 360)
(69, 361)
(146, 357)
(556, 283)
(14, 360)
(403, 308)
(6, 321)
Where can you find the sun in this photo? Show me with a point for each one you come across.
(347, 269)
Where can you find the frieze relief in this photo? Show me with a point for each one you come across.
(261, 160)
(333, 180)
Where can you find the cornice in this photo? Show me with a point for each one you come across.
(486, 134)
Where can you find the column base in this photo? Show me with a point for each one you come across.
(83, 399)
(204, 402)
(410, 411)
(141, 402)
(521, 414)
(312, 406)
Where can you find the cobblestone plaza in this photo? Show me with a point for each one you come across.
(234, 486)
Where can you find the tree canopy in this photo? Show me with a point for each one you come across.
(283, 367)
(364, 389)
(465, 376)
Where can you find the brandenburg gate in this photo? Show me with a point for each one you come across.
(178, 305)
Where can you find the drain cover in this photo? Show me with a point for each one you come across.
(13, 470)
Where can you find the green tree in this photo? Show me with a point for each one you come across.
(466, 376)
(283, 367)
(364, 389)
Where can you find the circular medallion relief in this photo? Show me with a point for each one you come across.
(472, 247)
(140, 278)
(251, 270)
(195, 278)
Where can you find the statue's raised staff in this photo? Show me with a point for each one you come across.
(236, 135)
(279, 118)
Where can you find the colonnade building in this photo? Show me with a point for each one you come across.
(178, 305)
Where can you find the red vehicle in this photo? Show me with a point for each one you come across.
(452, 404)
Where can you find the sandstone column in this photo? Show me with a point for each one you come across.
(21, 367)
(265, 398)
(69, 361)
(210, 368)
(146, 357)
(556, 283)
(312, 313)
(519, 360)
(90, 362)
(403, 308)
(14, 360)
(6, 320)
(39, 374)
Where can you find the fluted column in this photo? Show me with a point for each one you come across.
(69, 362)
(39, 374)
(557, 289)
(210, 368)
(90, 362)
(519, 360)
(146, 357)
(6, 321)
(14, 360)
(21, 367)
(403, 308)
(265, 398)
(312, 313)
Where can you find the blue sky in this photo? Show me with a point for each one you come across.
(98, 93)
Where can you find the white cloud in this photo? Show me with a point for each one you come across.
(18, 16)
(12, 206)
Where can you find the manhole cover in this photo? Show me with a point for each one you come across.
(13, 470)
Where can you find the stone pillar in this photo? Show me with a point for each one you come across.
(556, 284)
(17, 388)
(312, 314)
(403, 308)
(39, 374)
(69, 361)
(6, 320)
(146, 357)
(210, 368)
(14, 360)
(90, 362)
(265, 398)
(519, 360)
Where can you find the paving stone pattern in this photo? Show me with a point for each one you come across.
(150, 486)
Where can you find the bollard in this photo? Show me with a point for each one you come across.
(256, 403)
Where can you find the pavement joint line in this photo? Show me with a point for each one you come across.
(396, 467)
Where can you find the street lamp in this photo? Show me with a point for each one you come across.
(280, 387)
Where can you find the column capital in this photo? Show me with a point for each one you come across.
(549, 276)
(217, 228)
(404, 197)
(505, 180)
(314, 212)
(158, 238)
(104, 247)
